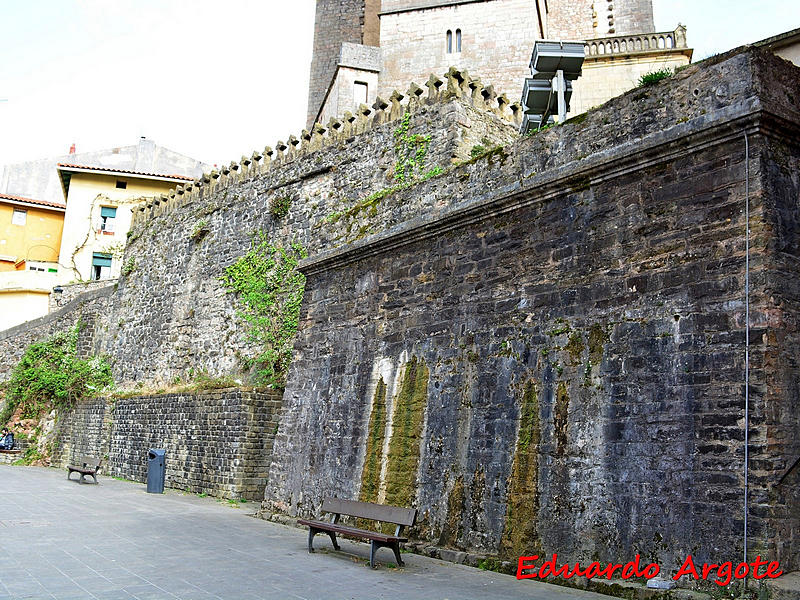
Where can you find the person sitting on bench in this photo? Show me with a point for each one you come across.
(6, 440)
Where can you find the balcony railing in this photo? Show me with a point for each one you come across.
(632, 44)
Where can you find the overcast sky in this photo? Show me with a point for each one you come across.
(215, 80)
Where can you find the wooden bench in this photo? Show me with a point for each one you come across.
(402, 517)
(86, 465)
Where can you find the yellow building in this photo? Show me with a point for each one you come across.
(30, 239)
(98, 216)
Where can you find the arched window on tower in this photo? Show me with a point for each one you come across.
(449, 41)
(458, 40)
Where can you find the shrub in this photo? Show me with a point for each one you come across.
(50, 374)
(654, 76)
(279, 206)
(199, 229)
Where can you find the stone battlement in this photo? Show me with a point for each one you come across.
(454, 85)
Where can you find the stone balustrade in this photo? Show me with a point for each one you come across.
(634, 44)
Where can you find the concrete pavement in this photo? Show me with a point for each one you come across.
(64, 540)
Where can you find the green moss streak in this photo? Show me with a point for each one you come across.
(404, 447)
(519, 533)
(371, 474)
(598, 337)
(575, 347)
(453, 525)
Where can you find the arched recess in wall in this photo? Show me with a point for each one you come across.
(458, 40)
(449, 41)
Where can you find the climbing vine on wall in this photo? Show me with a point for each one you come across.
(269, 289)
(410, 150)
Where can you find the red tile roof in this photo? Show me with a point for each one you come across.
(32, 201)
(110, 170)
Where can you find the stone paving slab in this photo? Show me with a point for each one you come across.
(64, 540)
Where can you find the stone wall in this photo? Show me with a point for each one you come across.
(216, 442)
(71, 291)
(548, 334)
(576, 19)
(91, 309)
(556, 363)
(85, 430)
(171, 314)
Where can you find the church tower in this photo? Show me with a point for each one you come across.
(368, 48)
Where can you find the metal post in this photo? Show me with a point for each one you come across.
(562, 102)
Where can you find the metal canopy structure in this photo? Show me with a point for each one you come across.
(554, 66)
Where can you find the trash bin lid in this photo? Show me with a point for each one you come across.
(156, 453)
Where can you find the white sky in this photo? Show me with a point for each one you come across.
(215, 80)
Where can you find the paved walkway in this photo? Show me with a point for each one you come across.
(64, 540)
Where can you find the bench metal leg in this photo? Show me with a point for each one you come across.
(333, 539)
(396, 548)
(376, 545)
(373, 547)
(311, 533)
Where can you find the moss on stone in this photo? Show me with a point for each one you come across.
(522, 507)
(454, 522)
(575, 347)
(561, 418)
(371, 473)
(477, 495)
(598, 337)
(404, 447)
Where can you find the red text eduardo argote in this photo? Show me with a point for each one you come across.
(722, 574)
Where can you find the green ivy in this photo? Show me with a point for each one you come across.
(410, 150)
(270, 290)
(50, 374)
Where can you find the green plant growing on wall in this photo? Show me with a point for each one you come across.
(129, 266)
(50, 374)
(270, 290)
(199, 229)
(279, 206)
(410, 151)
(654, 76)
(477, 150)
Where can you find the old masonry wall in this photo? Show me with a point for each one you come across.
(556, 363)
(548, 334)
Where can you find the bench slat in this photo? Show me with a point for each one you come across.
(351, 531)
(369, 510)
